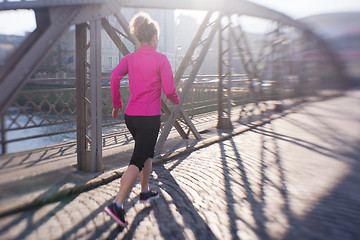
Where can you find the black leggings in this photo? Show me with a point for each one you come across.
(145, 130)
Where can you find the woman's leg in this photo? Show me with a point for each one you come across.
(145, 131)
(145, 174)
(127, 182)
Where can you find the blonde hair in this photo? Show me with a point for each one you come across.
(143, 27)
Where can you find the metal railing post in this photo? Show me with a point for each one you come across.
(96, 97)
(3, 135)
(224, 90)
(81, 100)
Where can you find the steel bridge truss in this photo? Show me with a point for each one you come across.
(277, 60)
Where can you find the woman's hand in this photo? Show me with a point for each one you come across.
(115, 112)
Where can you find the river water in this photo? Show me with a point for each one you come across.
(48, 140)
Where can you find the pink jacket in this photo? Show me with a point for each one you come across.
(149, 72)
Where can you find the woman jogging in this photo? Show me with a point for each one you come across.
(149, 74)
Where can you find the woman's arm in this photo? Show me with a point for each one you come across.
(117, 74)
(167, 81)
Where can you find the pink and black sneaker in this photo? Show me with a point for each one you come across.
(116, 213)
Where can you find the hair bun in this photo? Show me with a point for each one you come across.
(143, 27)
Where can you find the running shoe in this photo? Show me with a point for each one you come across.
(146, 197)
(116, 213)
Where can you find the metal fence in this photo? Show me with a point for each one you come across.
(51, 103)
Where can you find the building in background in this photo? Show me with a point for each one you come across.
(8, 43)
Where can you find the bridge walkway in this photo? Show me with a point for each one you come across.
(294, 176)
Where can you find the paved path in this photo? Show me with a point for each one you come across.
(294, 178)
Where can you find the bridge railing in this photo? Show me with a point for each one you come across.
(47, 107)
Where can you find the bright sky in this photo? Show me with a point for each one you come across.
(19, 22)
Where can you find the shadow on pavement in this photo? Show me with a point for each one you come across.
(33, 224)
(257, 204)
(336, 215)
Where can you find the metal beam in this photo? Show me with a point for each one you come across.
(228, 6)
(185, 63)
(125, 26)
(3, 135)
(246, 59)
(190, 52)
(241, 7)
(177, 126)
(110, 30)
(189, 123)
(244, 52)
(177, 108)
(34, 4)
(83, 153)
(96, 96)
(224, 90)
